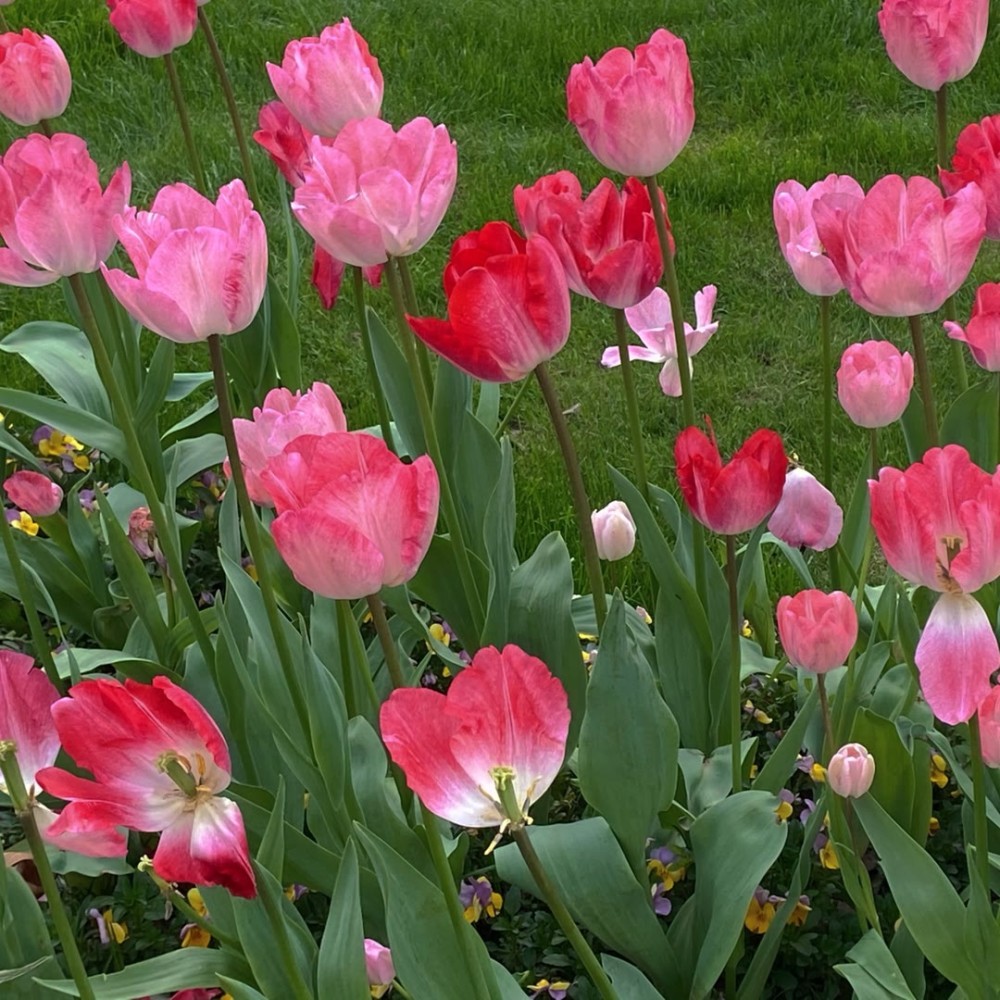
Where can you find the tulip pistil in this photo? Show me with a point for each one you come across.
(178, 769)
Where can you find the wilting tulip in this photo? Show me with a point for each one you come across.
(800, 243)
(508, 305)
(614, 531)
(938, 524)
(874, 382)
(982, 332)
(934, 42)
(977, 161)
(154, 27)
(34, 493)
(26, 696)
(379, 968)
(201, 269)
(651, 320)
(35, 81)
(159, 762)
(607, 242)
(807, 514)
(903, 249)
(736, 496)
(352, 518)
(328, 81)
(635, 111)
(282, 418)
(817, 630)
(502, 724)
(851, 771)
(374, 192)
(54, 218)
(989, 727)
(285, 140)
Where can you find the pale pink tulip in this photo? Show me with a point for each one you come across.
(35, 81)
(614, 530)
(817, 630)
(154, 27)
(982, 332)
(807, 514)
(851, 771)
(54, 218)
(201, 269)
(874, 382)
(379, 967)
(989, 723)
(34, 493)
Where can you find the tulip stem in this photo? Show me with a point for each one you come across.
(631, 404)
(410, 297)
(735, 662)
(384, 421)
(827, 348)
(581, 503)
(389, 649)
(981, 830)
(924, 378)
(406, 339)
(824, 703)
(563, 917)
(25, 812)
(512, 409)
(182, 113)
(252, 526)
(874, 451)
(231, 105)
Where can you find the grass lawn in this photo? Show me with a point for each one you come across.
(778, 94)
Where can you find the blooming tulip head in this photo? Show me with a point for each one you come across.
(328, 81)
(874, 381)
(201, 269)
(736, 496)
(982, 332)
(634, 111)
(35, 81)
(352, 518)
(34, 493)
(934, 42)
(817, 630)
(807, 514)
(607, 242)
(614, 531)
(158, 763)
(503, 723)
(379, 967)
(154, 27)
(977, 161)
(54, 218)
(903, 248)
(26, 697)
(989, 727)
(851, 771)
(374, 193)
(508, 305)
(797, 236)
(285, 140)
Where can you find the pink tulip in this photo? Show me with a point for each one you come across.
(379, 967)
(851, 771)
(142, 533)
(651, 320)
(374, 193)
(328, 81)
(982, 332)
(635, 111)
(817, 630)
(283, 417)
(807, 514)
(35, 81)
(285, 139)
(154, 27)
(977, 161)
(504, 719)
(939, 527)
(607, 242)
(54, 218)
(26, 696)
(34, 493)
(874, 382)
(934, 42)
(903, 248)
(797, 236)
(201, 269)
(614, 531)
(352, 518)
(989, 727)
(159, 763)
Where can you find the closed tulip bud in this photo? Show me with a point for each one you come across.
(34, 493)
(378, 966)
(614, 531)
(851, 771)
(35, 81)
(817, 630)
(874, 381)
(989, 727)
(982, 332)
(807, 514)
(154, 27)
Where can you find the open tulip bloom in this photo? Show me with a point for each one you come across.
(26, 697)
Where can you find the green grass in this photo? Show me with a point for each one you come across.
(781, 91)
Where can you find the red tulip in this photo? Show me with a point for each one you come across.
(352, 518)
(977, 160)
(34, 493)
(201, 269)
(635, 111)
(817, 630)
(934, 42)
(874, 381)
(807, 514)
(607, 242)
(982, 332)
(154, 27)
(328, 275)
(35, 81)
(939, 527)
(504, 719)
(159, 762)
(736, 496)
(508, 305)
(285, 139)
(903, 248)
(26, 696)
(54, 218)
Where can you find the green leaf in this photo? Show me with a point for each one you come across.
(88, 660)
(190, 456)
(271, 852)
(283, 337)
(972, 422)
(394, 375)
(628, 981)
(893, 786)
(873, 973)
(340, 970)
(498, 528)
(24, 936)
(156, 385)
(709, 779)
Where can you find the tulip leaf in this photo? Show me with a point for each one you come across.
(498, 528)
(873, 972)
(25, 947)
(451, 402)
(488, 405)
(190, 456)
(155, 386)
(240, 991)
(283, 337)
(628, 981)
(972, 422)
(857, 520)
(708, 778)
(893, 784)
(628, 742)
(394, 376)
(340, 970)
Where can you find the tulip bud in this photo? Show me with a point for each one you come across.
(35, 81)
(874, 382)
(807, 514)
(817, 630)
(142, 533)
(989, 727)
(379, 967)
(34, 493)
(851, 771)
(614, 531)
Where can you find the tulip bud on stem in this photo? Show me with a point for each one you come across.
(631, 404)
(924, 378)
(384, 421)
(980, 828)
(182, 113)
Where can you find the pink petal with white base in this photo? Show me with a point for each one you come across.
(26, 697)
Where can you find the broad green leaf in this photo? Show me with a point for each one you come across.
(972, 422)
(271, 852)
(283, 337)
(709, 779)
(501, 557)
(628, 981)
(25, 947)
(394, 375)
(340, 970)
(873, 972)
(240, 991)
(156, 385)
(88, 660)
(190, 456)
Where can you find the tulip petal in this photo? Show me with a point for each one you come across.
(26, 698)
(14, 271)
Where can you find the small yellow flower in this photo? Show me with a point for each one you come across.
(759, 916)
(939, 770)
(117, 931)
(761, 716)
(934, 825)
(23, 522)
(828, 856)
(746, 631)
(818, 772)
(784, 810)
(195, 937)
(753, 771)
(799, 914)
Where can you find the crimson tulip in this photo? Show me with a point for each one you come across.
(874, 382)
(817, 630)
(285, 140)
(34, 493)
(977, 161)
(982, 332)
(807, 514)
(35, 80)
(154, 27)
